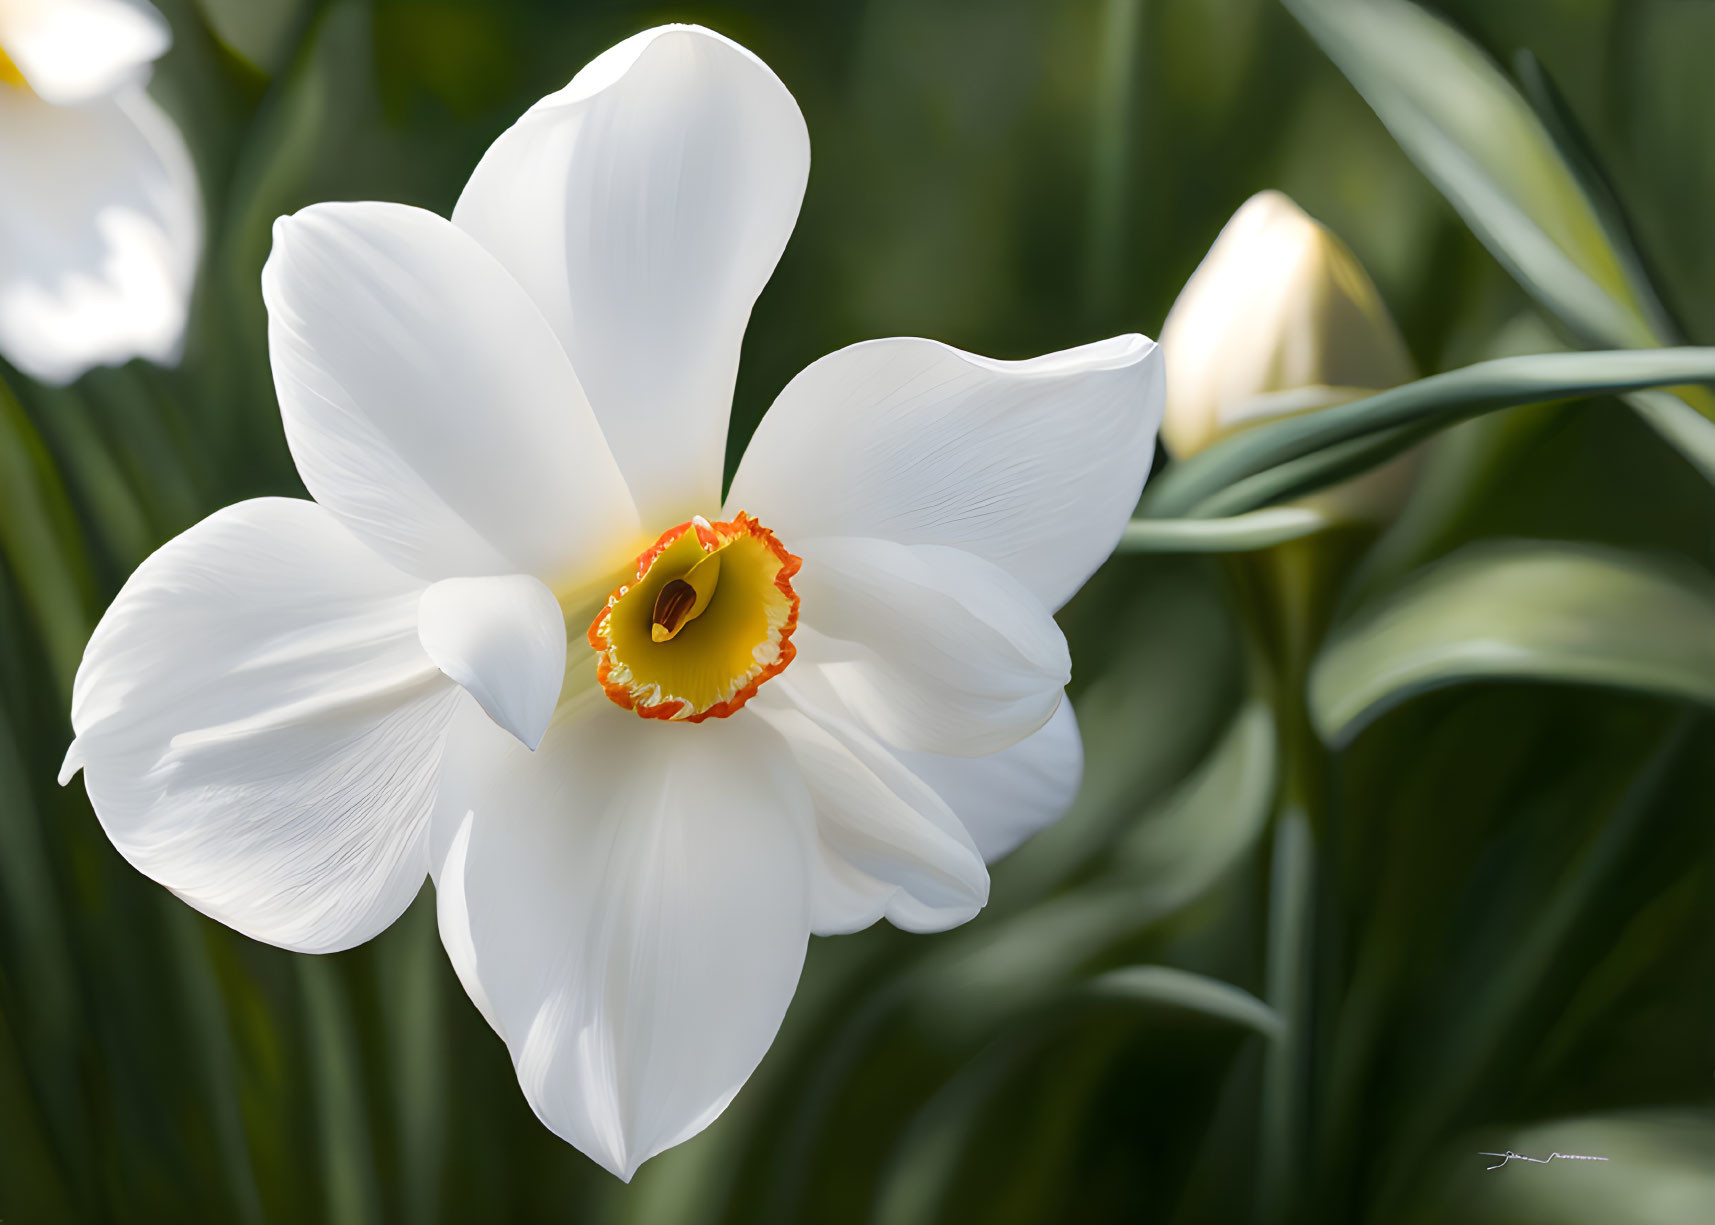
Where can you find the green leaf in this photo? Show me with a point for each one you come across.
(1167, 688)
(1667, 129)
(1581, 159)
(1022, 1102)
(952, 1130)
(1478, 140)
(1675, 423)
(215, 1073)
(1317, 470)
(1519, 170)
(1165, 986)
(39, 541)
(1238, 534)
(1545, 612)
(414, 1015)
(257, 31)
(324, 85)
(1168, 859)
(1175, 854)
(118, 523)
(1680, 425)
(347, 1165)
(922, 1176)
(1495, 1021)
(1198, 486)
(32, 921)
(34, 1182)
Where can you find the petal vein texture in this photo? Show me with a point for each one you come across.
(1034, 465)
(644, 206)
(428, 405)
(259, 729)
(629, 906)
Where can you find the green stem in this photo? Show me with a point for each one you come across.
(1287, 593)
(1285, 1066)
(1116, 60)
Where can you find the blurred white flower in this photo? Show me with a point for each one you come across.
(100, 219)
(1280, 319)
(513, 424)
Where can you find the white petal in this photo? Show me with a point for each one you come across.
(504, 640)
(260, 731)
(889, 845)
(844, 898)
(452, 913)
(1035, 465)
(428, 405)
(934, 648)
(75, 50)
(644, 206)
(1006, 797)
(630, 907)
(100, 232)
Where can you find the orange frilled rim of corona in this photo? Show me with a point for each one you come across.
(706, 620)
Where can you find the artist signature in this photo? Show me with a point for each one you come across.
(1509, 1155)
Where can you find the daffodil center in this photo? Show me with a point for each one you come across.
(706, 620)
(9, 73)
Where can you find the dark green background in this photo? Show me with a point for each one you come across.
(1514, 919)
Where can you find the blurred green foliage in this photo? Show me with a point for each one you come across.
(1259, 972)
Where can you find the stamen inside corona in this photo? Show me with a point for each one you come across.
(682, 600)
(707, 619)
(672, 609)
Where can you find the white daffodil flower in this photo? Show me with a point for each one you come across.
(645, 741)
(100, 219)
(1280, 319)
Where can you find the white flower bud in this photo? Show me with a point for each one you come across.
(1280, 319)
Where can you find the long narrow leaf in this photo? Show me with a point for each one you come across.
(1680, 425)
(1170, 857)
(1440, 399)
(1168, 987)
(1516, 165)
(1579, 154)
(347, 1165)
(39, 541)
(1467, 128)
(1540, 612)
(216, 1071)
(1478, 1041)
(1317, 470)
(1238, 534)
